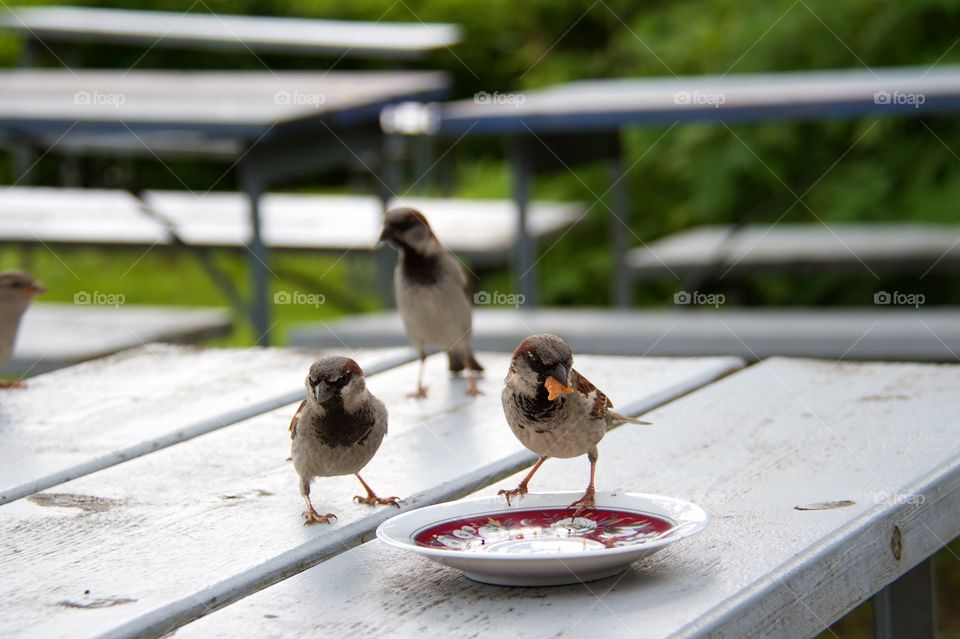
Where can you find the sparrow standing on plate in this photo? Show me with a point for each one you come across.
(555, 411)
(17, 290)
(433, 295)
(337, 429)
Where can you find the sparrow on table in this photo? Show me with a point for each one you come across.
(337, 429)
(17, 290)
(555, 411)
(433, 296)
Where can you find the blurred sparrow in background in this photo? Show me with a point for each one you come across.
(433, 295)
(17, 290)
(337, 429)
(555, 411)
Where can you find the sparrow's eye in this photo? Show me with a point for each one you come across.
(314, 381)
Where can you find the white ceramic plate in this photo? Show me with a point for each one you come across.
(537, 541)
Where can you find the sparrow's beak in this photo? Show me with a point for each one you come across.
(322, 392)
(33, 290)
(386, 235)
(556, 382)
(561, 374)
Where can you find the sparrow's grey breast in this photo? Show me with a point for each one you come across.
(432, 299)
(562, 427)
(335, 441)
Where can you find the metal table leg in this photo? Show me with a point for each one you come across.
(907, 607)
(253, 187)
(526, 272)
(622, 289)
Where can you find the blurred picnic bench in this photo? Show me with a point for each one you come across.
(266, 126)
(889, 333)
(269, 125)
(559, 127)
(53, 336)
(481, 232)
(40, 26)
(812, 513)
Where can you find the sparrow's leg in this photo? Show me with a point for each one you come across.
(472, 388)
(310, 514)
(421, 389)
(371, 499)
(521, 490)
(12, 384)
(588, 501)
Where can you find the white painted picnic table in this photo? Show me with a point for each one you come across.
(477, 230)
(894, 332)
(748, 249)
(825, 483)
(203, 28)
(54, 335)
(142, 547)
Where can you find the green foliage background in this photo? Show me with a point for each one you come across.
(857, 170)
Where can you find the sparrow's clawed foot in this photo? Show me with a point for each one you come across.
(472, 389)
(587, 502)
(420, 393)
(519, 491)
(373, 500)
(11, 384)
(313, 517)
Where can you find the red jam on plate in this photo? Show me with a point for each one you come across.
(547, 530)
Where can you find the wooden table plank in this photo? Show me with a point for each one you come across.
(248, 103)
(881, 333)
(78, 420)
(340, 222)
(750, 449)
(293, 36)
(610, 103)
(725, 250)
(53, 336)
(76, 216)
(218, 517)
(290, 221)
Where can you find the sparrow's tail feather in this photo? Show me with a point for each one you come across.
(621, 419)
(458, 362)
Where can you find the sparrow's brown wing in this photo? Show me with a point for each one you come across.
(296, 418)
(601, 403)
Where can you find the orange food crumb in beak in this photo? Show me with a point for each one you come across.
(556, 388)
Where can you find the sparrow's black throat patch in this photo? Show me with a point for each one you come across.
(417, 267)
(538, 408)
(338, 428)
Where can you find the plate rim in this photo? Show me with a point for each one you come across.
(685, 528)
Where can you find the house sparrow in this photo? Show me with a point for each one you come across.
(336, 430)
(555, 411)
(17, 289)
(433, 295)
